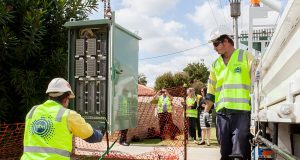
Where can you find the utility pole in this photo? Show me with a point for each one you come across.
(235, 8)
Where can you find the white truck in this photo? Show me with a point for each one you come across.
(276, 108)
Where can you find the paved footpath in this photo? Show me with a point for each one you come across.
(197, 153)
(194, 153)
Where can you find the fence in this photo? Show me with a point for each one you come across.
(11, 140)
(145, 139)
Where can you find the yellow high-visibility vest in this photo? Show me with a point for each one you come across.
(46, 133)
(160, 104)
(233, 82)
(190, 101)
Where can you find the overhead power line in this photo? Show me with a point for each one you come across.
(212, 12)
(178, 52)
(223, 12)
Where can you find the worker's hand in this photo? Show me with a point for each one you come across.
(101, 134)
(95, 137)
(158, 93)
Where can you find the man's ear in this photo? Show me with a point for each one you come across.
(65, 100)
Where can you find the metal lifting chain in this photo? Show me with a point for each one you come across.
(104, 6)
(107, 9)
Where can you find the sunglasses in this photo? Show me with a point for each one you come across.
(217, 43)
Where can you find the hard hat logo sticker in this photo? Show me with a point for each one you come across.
(42, 127)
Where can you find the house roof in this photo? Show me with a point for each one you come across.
(148, 91)
(145, 91)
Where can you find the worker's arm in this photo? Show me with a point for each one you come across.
(198, 98)
(155, 98)
(211, 88)
(171, 97)
(208, 105)
(80, 128)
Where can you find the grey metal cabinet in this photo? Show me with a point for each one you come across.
(103, 70)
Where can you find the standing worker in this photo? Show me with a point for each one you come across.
(124, 115)
(50, 126)
(164, 109)
(229, 87)
(192, 102)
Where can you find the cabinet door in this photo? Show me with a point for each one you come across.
(124, 47)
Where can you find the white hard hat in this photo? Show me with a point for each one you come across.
(219, 31)
(58, 86)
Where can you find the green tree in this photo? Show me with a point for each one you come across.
(168, 80)
(164, 81)
(142, 79)
(180, 78)
(33, 44)
(194, 75)
(197, 71)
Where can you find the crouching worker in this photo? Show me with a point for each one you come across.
(50, 126)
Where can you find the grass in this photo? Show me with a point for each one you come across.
(153, 141)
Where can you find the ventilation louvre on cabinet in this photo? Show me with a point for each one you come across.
(80, 96)
(80, 47)
(79, 67)
(91, 66)
(91, 47)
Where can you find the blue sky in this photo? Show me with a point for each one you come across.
(169, 26)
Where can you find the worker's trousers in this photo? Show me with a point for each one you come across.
(233, 131)
(166, 125)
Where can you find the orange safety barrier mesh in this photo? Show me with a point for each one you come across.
(146, 141)
(11, 140)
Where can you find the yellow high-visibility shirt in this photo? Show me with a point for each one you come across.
(212, 81)
(78, 126)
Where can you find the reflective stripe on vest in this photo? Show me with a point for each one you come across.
(233, 86)
(47, 150)
(46, 132)
(233, 91)
(191, 102)
(160, 104)
(31, 112)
